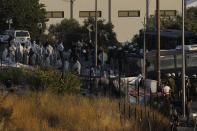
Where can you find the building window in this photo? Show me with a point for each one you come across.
(89, 14)
(129, 13)
(168, 13)
(55, 14)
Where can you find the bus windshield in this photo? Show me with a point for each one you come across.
(169, 39)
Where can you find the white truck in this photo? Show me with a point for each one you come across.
(21, 36)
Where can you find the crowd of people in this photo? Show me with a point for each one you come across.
(172, 86)
(45, 55)
(172, 92)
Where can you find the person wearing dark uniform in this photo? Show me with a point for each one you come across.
(188, 109)
(193, 88)
(171, 84)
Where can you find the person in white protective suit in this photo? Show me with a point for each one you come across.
(40, 56)
(47, 52)
(60, 48)
(5, 54)
(50, 51)
(19, 52)
(34, 47)
(77, 66)
(11, 52)
(25, 55)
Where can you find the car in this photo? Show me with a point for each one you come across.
(4, 38)
(22, 36)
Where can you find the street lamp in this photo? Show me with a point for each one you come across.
(39, 25)
(158, 42)
(89, 27)
(96, 31)
(109, 11)
(71, 7)
(9, 22)
(183, 57)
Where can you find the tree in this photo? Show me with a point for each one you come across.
(171, 22)
(176, 22)
(26, 14)
(106, 34)
(69, 30)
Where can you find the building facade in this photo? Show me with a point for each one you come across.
(127, 16)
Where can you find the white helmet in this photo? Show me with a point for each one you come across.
(173, 74)
(179, 74)
(168, 75)
(194, 75)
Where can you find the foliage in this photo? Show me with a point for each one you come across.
(46, 111)
(176, 22)
(38, 79)
(106, 34)
(170, 22)
(25, 15)
(70, 31)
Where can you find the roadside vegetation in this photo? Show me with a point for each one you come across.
(41, 79)
(53, 104)
(46, 111)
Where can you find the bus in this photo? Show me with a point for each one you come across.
(171, 62)
(170, 39)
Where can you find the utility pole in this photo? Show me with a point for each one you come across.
(158, 41)
(147, 14)
(144, 50)
(109, 11)
(183, 57)
(96, 33)
(71, 9)
(146, 28)
(144, 63)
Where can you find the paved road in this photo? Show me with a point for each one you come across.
(185, 129)
(194, 109)
(194, 106)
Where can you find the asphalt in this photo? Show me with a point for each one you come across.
(194, 106)
(194, 110)
(185, 129)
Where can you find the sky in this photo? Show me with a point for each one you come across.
(191, 3)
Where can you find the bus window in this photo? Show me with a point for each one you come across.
(151, 65)
(179, 61)
(191, 60)
(167, 62)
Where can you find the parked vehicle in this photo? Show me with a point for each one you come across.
(21, 36)
(4, 38)
(170, 39)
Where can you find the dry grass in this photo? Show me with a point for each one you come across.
(49, 112)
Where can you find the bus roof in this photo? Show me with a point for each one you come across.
(169, 52)
(171, 33)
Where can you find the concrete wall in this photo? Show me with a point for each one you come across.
(125, 27)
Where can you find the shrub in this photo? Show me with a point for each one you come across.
(39, 78)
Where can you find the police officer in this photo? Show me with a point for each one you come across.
(171, 83)
(193, 88)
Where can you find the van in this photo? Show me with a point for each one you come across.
(21, 36)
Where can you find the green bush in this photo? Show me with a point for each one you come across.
(68, 84)
(41, 79)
